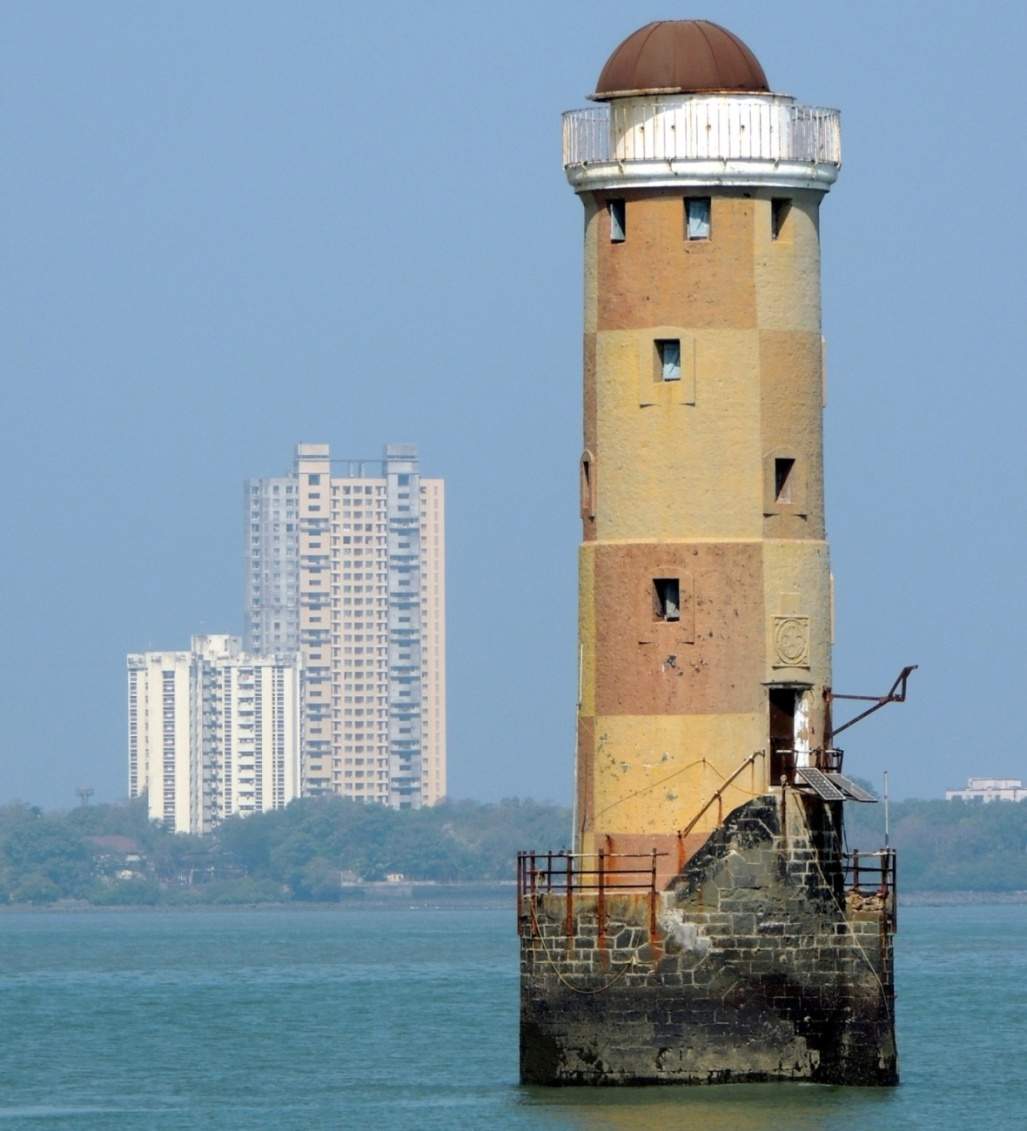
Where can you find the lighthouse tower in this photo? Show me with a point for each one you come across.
(703, 928)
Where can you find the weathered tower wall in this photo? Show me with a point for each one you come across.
(681, 484)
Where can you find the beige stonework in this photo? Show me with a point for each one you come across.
(714, 480)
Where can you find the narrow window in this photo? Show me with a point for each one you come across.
(783, 468)
(779, 209)
(618, 221)
(697, 217)
(587, 496)
(668, 356)
(667, 598)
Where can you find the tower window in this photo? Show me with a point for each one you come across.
(667, 598)
(618, 221)
(588, 505)
(697, 218)
(668, 355)
(783, 468)
(779, 209)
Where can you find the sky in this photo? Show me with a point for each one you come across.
(229, 227)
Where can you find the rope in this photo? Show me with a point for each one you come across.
(683, 769)
(844, 910)
(654, 785)
(556, 969)
(537, 931)
(719, 792)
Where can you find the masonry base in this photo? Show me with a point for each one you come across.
(761, 967)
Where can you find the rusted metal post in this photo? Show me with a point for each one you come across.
(855, 871)
(784, 816)
(601, 904)
(520, 890)
(894, 891)
(569, 925)
(652, 898)
(549, 871)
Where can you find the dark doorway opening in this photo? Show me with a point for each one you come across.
(782, 733)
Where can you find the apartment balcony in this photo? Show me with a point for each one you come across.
(701, 140)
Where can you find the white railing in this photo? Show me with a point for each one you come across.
(704, 128)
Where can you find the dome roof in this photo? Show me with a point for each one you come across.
(680, 57)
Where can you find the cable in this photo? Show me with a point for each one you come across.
(843, 908)
(556, 969)
(653, 785)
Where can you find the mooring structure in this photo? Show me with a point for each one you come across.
(708, 924)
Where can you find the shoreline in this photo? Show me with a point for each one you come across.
(430, 896)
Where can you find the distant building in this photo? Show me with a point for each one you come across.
(989, 789)
(347, 569)
(212, 732)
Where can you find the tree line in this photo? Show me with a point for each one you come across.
(319, 848)
(113, 854)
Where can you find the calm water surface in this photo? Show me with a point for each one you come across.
(408, 1019)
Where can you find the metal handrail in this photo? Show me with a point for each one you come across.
(534, 882)
(881, 868)
(718, 792)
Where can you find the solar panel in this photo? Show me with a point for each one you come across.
(819, 783)
(850, 789)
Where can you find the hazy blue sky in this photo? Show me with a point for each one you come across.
(233, 226)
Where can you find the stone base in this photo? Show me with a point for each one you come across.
(759, 968)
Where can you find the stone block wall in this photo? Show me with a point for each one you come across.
(760, 967)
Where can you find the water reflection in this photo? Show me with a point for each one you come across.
(740, 1107)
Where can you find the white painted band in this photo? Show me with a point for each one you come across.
(738, 173)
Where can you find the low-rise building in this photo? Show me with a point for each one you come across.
(989, 789)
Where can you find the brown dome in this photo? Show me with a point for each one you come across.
(680, 57)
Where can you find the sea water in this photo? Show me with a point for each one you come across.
(407, 1018)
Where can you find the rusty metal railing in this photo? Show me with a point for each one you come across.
(716, 796)
(568, 874)
(874, 873)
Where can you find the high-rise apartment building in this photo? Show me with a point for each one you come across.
(163, 746)
(345, 566)
(213, 732)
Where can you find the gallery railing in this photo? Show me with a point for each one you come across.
(874, 874)
(570, 874)
(761, 128)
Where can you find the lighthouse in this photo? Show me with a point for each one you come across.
(705, 924)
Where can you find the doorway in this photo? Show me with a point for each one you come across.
(782, 733)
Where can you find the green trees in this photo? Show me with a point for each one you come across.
(949, 845)
(41, 858)
(113, 855)
(300, 845)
